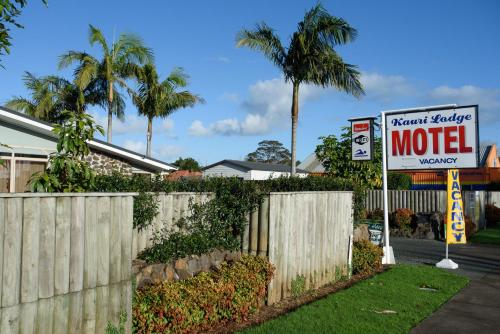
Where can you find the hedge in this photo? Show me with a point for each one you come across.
(398, 181)
(218, 224)
(199, 303)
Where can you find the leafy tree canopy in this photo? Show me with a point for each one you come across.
(188, 164)
(270, 151)
(335, 154)
(67, 170)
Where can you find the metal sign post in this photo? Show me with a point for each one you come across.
(388, 252)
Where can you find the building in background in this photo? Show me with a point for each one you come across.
(248, 170)
(30, 142)
(312, 165)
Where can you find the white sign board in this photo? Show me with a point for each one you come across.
(362, 139)
(433, 139)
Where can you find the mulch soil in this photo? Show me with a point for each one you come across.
(269, 312)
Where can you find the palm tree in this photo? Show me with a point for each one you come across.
(52, 95)
(310, 58)
(160, 99)
(116, 65)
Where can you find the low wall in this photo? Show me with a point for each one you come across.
(65, 261)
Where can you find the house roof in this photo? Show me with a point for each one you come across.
(483, 155)
(251, 165)
(45, 129)
(312, 164)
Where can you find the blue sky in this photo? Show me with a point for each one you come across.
(411, 54)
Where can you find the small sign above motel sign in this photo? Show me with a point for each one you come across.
(362, 138)
(440, 138)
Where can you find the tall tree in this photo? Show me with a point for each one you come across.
(335, 155)
(116, 65)
(160, 99)
(188, 164)
(270, 151)
(52, 95)
(310, 57)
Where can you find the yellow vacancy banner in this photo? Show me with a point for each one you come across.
(455, 223)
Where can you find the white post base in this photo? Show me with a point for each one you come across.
(447, 264)
(388, 258)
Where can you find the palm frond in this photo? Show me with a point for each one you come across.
(263, 39)
(131, 48)
(96, 36)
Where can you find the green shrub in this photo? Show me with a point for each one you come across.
(376, 214)
(366, 257)
(402, 218)
(209, 299)
(145, 209)
(398, 181)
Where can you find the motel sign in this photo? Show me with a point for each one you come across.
(433, 139)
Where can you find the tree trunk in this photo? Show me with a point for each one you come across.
(110, 113)
(148, 137)
(295, 118)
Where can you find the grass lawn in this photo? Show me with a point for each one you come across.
(369, 306)
(489, 236)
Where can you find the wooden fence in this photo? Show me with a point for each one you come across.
(171, 207)
(65, 261)
(304, 234)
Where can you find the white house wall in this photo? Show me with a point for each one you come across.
(226, 171)
(25, 143)
(266, 175)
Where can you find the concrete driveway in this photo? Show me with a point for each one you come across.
(475, 309)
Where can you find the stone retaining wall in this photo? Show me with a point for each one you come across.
(181, 269)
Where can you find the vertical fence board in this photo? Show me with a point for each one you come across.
(115, 240)
(89, 311)
(61, 314)
(102, 304)
(77, 244)
(27, 317)
(62, 251)
(126, 235)
(103, 223)
(47, 247)
(45, 316)
(75, 312)
(12, 246)
(9, 322)
(91, 255)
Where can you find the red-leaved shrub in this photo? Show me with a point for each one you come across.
(209, 299)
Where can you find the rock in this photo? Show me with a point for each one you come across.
(361, 233)
(158, 273)
(144, 282)
(183, 274)
(430, 235)
(169, 272)
(193, 266)
(204, 262)
(180, 264)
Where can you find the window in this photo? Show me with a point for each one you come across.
(16, 172)
(24, 171)
(4, 176)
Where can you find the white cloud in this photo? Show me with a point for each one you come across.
(198, 129)
(268, 106)
(133, 124)
(165, 152)
(487, 98)
(386, 88)
(136, 146)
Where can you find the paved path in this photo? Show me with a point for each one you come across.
(475, 309)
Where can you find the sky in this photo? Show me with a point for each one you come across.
(410, 54)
